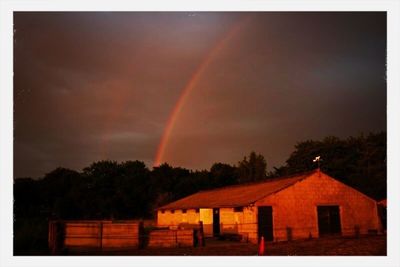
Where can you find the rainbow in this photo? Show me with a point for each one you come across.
(173, 117)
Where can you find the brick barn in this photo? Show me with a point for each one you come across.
(307, 205)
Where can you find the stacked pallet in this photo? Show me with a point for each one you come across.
(171, 238)
(185, 238)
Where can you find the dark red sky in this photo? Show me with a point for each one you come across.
(93, 86)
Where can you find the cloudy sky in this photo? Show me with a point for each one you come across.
(191, 88)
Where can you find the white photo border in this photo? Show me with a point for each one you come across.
(7, 7)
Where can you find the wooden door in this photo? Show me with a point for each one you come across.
(328, 220)
(265, 223)
(216, 222)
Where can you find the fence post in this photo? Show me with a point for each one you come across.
(52, 239)
(101, 235)
(176, 237)
(56, 237)
(201, 235)
(141, 235)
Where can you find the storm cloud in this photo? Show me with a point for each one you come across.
(90, 86)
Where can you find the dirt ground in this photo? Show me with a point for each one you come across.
(340, 246)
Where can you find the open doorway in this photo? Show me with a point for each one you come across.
(265, 225)
(329, 220)
(216, 222)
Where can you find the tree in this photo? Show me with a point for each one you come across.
(223, 174)
(60, 193)
(133, 195)
(170, 182)
(252, 169)
(357, 161)
(26, 198)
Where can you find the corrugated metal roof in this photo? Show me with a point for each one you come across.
(235, 196)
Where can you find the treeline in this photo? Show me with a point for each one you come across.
(356, 161)
(128, 190)
(112, 190)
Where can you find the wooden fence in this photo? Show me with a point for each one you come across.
(93, 235)
(67, 236)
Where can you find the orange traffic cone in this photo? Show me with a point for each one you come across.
(261, 247)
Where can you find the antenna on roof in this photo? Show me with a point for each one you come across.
(317, 159)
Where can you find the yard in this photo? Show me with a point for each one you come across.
(340, 246)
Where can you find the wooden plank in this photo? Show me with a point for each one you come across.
(100, 234)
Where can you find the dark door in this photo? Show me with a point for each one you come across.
(216, 222)
(265, 227)
(328, 220)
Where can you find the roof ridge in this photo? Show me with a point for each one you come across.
(267, 180)
(274, 184)
(283, 188)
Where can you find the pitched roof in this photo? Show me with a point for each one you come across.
(237, 195)
(383, 202)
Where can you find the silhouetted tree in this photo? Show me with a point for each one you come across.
(223, 174)
(357, 161)
(26, 198)
(252, 169)
(134, 190)
(60, 193)
(172, 183)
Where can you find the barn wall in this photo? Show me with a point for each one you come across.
(296, 207)
(173, 219)
(248, 228)
(206, 216)
(231, 222)
(243, 222)
(191, 217)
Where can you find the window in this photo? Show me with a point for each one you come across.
(197, 210)
(172, 211)
(238, 209)
(162, 211)
(184, 211)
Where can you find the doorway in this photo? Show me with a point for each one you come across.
(329, 220)
(216, 223)
(265, 223)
